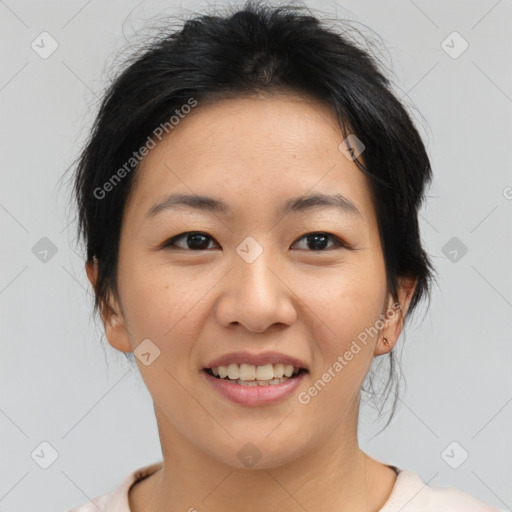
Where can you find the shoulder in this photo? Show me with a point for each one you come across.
(117, 500)
(411, 494)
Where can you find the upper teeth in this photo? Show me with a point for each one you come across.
(250, 372)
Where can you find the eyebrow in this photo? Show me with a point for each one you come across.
(298, 204)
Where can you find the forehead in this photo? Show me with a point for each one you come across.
(252, 152)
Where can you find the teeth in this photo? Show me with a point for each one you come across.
(262, 372)
(233, 371)
(252, 374)
(252, 383)
(278, 370)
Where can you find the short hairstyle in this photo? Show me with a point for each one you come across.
(256, 48)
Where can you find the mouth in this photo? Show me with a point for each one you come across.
(249, 375)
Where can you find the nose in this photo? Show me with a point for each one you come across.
(256, 294)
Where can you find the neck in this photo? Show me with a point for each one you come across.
(335, 475)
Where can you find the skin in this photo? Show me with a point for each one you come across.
(195, 305)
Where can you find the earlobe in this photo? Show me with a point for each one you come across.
(115, 330)
(394, 316)
(111, 314)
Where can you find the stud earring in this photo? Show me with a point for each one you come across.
(385, 341)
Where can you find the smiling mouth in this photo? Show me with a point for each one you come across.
(250, 375)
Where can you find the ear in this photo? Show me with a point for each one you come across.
(394, 315)
(111, 314)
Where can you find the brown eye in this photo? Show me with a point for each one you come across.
(198, 241)
(318, 241)
(194, 241)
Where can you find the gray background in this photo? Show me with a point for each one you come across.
(56, 384)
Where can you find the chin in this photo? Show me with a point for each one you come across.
(259, 452)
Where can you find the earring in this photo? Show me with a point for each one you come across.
(385, 341)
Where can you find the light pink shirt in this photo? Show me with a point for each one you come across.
(409, 494)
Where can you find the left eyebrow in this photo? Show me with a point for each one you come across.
(300, 204)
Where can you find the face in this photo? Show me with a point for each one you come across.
(253, 276)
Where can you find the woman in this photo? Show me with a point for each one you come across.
(249, 201)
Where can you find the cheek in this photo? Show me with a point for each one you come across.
(154, 297)
(163, 305)
(349, 309)
(352, 299)
(160, 310)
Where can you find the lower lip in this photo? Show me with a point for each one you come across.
(254, 395)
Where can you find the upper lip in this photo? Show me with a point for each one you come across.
(260, 359)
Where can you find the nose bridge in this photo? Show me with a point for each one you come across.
(256, 297)
(253, 265)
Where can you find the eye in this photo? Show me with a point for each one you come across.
(194, 240)
(198, 241)
(319, 239)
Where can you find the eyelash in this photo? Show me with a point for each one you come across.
(169, 244)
